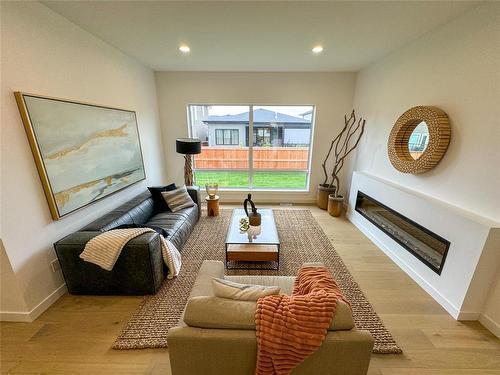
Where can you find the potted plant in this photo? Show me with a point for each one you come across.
(342, 145)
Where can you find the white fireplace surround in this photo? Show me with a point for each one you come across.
(473, 256)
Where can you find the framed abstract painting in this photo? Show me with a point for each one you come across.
(83, 152)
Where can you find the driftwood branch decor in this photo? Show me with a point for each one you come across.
(341, 146)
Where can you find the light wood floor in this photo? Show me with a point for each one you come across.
(74, 336)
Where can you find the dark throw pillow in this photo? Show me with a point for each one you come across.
(159, 203)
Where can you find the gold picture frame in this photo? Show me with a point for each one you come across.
(83, 152)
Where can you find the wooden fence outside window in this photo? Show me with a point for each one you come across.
(264, 158)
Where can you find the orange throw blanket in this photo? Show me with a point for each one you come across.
(290, 328)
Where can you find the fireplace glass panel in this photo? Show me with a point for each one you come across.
(427, 246)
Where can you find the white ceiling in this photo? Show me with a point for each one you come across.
(261, 35)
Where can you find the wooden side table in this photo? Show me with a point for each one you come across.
(212, 206)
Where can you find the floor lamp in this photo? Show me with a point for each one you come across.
(188, 147)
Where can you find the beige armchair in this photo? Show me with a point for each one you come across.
(216, 336)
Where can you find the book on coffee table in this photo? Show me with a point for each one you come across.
(257, 244)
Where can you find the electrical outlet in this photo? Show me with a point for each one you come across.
(55, 265)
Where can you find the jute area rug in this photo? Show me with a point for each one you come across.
(302, 240)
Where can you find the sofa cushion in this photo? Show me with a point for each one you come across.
(242, 292)
(135, 211)
(169, 220)
(215, 312)
(178, 225)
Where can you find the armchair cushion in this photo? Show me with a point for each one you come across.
(216, 312)
(242, 292)
(225, 313)
(285, 283)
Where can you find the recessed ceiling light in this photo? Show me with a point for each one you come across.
(184, 49)
(317, 49)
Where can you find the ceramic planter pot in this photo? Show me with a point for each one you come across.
(335, 205)
(322, 196)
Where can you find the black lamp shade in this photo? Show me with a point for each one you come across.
(188, 146)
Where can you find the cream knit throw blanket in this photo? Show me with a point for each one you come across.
(105, 249)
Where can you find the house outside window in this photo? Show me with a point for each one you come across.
(253, 146)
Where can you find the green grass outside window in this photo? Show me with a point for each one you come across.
(261, 179)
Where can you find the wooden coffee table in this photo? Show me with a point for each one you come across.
(258, 244)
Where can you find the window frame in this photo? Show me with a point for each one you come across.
(231, 133)
(251, 107)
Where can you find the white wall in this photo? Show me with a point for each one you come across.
(490, 317)
(332, 93)
(11, 295)
(44, 53)
(455, 68)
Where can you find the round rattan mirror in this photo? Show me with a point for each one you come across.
(419, 139)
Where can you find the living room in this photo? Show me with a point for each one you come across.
(266, 88)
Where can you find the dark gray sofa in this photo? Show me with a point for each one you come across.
(140, 268)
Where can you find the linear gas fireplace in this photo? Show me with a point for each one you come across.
(427, 246)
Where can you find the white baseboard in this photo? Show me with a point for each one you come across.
(468, 315)
(453, 310)
(490, 324)
(15, 316)
(28, 317)
(47, 302)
